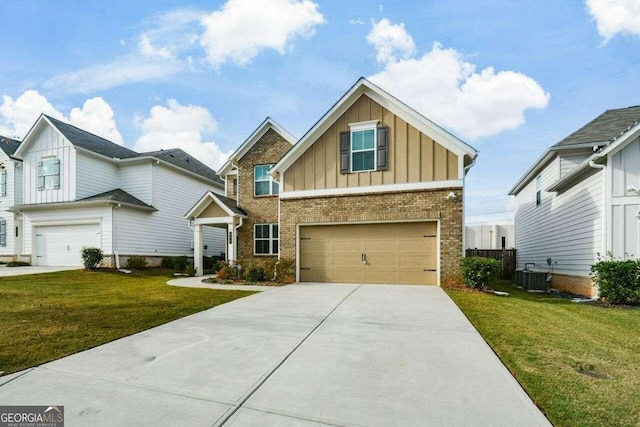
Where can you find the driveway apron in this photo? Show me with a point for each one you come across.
(306, 354)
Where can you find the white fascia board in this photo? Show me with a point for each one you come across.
(533, 170)
(391, 188)
(26, 141)
(204, 202)
(79, 203)
(619, 143)
(363, 86)
(267, 124)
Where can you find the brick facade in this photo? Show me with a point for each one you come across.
(229, 185)
(263, 209)
(423, 204)
(579, 285)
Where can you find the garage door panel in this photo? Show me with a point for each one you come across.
(395, 253)
(61, 245)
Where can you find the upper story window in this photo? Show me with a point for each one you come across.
(538, 190)
(264, 184)
(363, 148)
(235, 187)
(49, 173)
(3, 181)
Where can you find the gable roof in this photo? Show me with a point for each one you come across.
(255, 136)
(226, 204)
(8, 145)
(604, 128)
(113, 196)
(180, 158)
(117, 195)
(103, 147)
(388, 101)
(609, 129)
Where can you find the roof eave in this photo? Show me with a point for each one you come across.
(78, 203)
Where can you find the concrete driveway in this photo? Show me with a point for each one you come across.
(312, 354)
(32, 269)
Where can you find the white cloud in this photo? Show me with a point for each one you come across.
(391, 41)
(147, 49)
(356, 21)
(242, 28)
(96, 116)
(181, 126)
(615, 17)
(130, 69)
(448, 90)
(17, 116)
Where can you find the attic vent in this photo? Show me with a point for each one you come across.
(171, 155)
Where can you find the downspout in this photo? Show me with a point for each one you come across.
(464, 201)
(595, 165)
(114, 234)
(235, 237)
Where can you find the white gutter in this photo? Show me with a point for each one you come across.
(113, 234)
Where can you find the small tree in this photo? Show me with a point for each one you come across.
(91, 257)
(479, 271)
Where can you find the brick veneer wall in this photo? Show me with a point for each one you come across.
(579, 285)
(268, 149)
(424, 204)
(230, 179)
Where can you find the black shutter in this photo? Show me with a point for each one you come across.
(345, 152)
(383, 149)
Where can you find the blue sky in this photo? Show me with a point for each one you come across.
(510, 78)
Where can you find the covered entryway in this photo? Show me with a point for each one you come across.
(61, 245)
(391, 253)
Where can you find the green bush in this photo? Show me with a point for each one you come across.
(190, 271)
(167, 262)
(478, 271)
(91, 257)
(286, 270)
(618, 280)
(18, 264)
(136, 262)
(255, 273)
(180, 263)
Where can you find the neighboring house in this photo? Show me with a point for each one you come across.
(372, 193)
(581, 199)
(81, 190)
(494, 236)
(10, 195)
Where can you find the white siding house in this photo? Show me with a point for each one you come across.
(80, 190)
(10, 188)
(578, 202)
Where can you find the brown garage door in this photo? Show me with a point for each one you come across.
(403, 253)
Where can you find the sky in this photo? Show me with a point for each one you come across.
(509, 78)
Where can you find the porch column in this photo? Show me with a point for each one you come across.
(231, 243)
(197, 249)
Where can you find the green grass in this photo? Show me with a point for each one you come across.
(47, 316)
(555, 347)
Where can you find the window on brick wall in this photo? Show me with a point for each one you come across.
(264, 184)
(266, 239)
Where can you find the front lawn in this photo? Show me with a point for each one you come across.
(47, 316)
(579, 363)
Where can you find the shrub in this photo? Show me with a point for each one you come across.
(91, 257)
(286, 270)
(618, 280)
(223, 273)
(21, 263)
(190, 271)
(136, 262)
(255, 273)
(167, 262)
(478, 271)
(180, 263)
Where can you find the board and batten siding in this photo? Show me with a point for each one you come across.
(625, 204)
(69, 216)
(569, 162)
(166, 232)
(135, 179)
(49, 143)
(94, 175)
(6, 202)
(566, 226)
(412, 156)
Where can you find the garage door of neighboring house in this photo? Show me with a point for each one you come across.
(394, 253)
(60, 245)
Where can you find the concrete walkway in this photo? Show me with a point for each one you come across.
(300, 355)
(197, 282)
(32, 269)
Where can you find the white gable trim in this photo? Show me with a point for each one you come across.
(26, 141)
(397, 107)
(267, 124)
(204, 203)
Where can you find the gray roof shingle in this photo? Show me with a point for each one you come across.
(604, 128)
(231, 204)
(8, 145)
(179, 158)
(117, 195)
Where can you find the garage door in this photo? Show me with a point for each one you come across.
(61, 244)
(402, 253)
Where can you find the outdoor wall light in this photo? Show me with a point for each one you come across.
(633, 188)
(451, 196)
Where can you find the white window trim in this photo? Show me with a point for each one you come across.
(270, 179)
(271, 238)
(52, 175)
(3, 181)
(374, 149)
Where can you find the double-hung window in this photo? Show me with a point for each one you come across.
(3, 181)
(363, 150)
(266, 239)
(264, 184)
(538, 190)
(49, 173)
(3, 232)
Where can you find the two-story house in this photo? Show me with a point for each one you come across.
(372, 193)
(81, 190)
(581, 200)
(10, 195)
